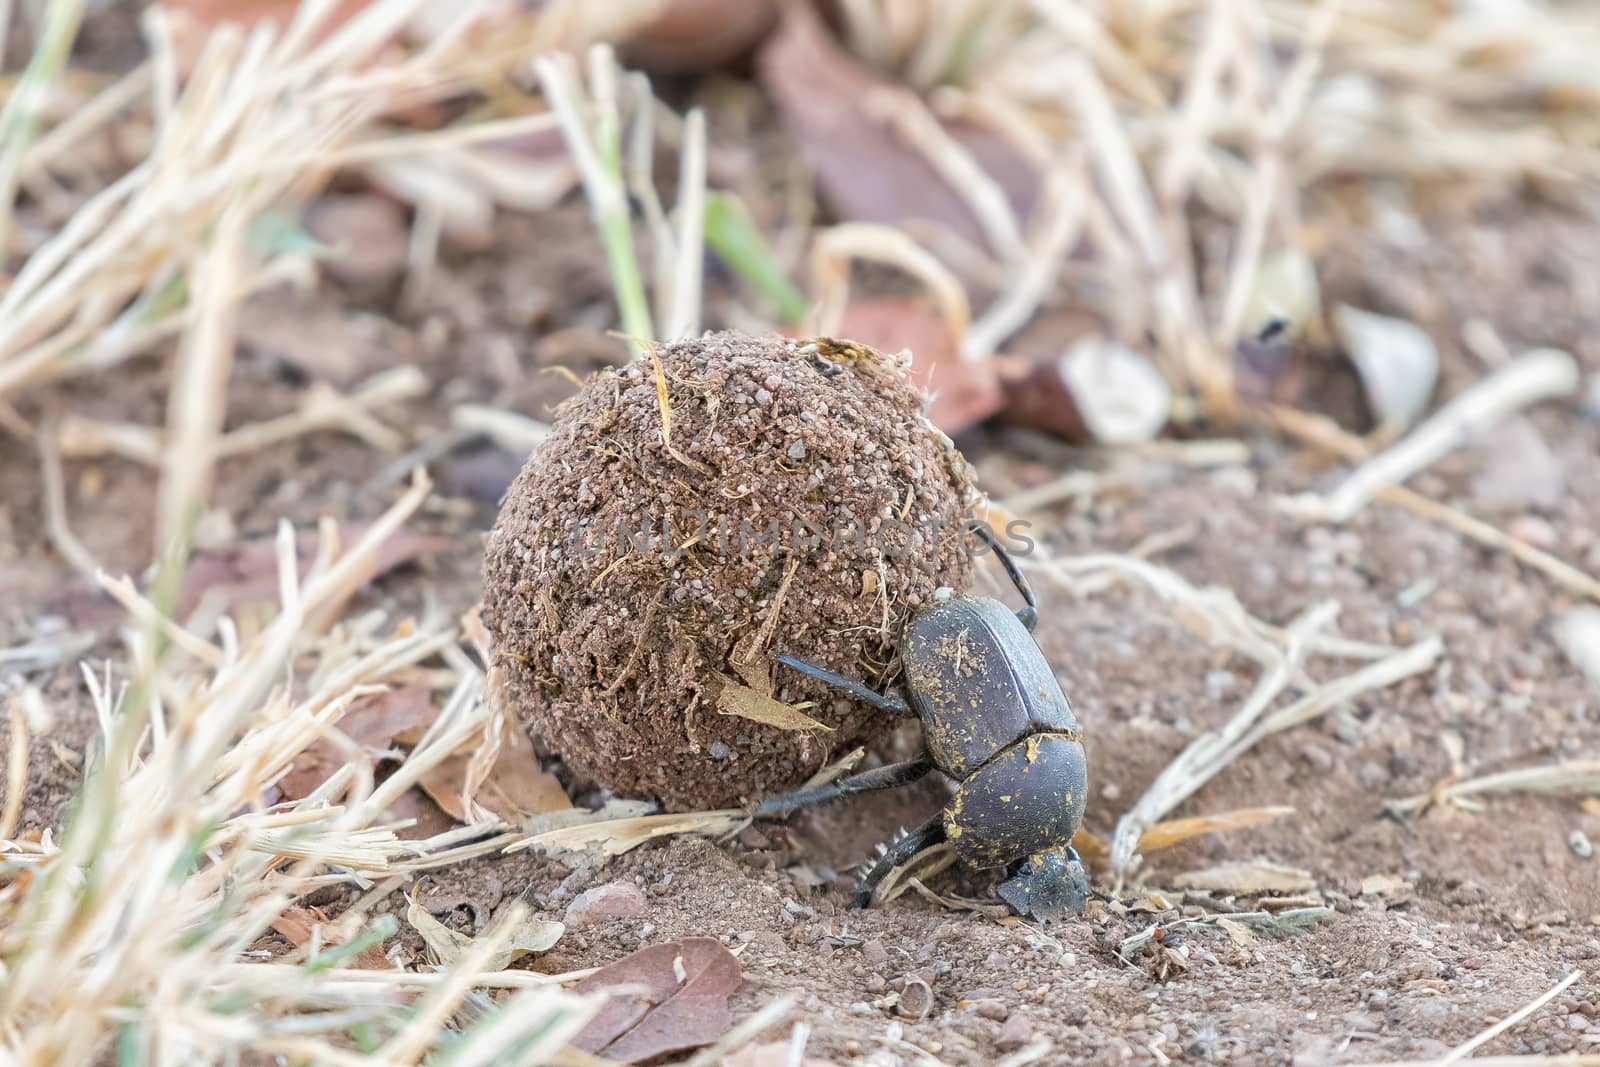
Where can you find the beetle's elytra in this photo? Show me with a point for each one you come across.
(994, 718)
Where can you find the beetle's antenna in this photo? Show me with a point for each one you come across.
(1029, 616)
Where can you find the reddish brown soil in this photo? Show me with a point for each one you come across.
(1495, 906)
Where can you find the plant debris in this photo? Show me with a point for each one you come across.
(520, 934)
(668, 998)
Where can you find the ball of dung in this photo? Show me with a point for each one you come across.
(694, 514)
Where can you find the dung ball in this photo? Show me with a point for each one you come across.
(695, 513)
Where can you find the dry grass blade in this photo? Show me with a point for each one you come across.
(1462, 1051)
(618, 835)
(836, 246)
(1176, 831)
(1535, 376)
(1577, 778)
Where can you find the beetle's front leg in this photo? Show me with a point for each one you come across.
(886, 777)
(929, 833)
(1048, 886)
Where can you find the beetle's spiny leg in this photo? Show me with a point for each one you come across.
(929, 833)
(886, 777)
(886, 701)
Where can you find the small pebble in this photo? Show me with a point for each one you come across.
(1017, 1031)
(606, 903)
(992, 1008)
(763, 396)
(1318, 758)
(876, 983)
(797, 451)
(874, 953)
(1578, 842)
(1371, 776)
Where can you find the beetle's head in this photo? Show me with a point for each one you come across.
(1050, 886)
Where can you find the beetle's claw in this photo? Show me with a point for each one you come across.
(1048, 886)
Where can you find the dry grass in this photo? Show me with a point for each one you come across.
(134, 929)
(1239, 110)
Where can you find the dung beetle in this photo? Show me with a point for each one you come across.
(995, 720)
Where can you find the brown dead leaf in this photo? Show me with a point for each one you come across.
(747, 703)
(1249, 876)
(1240, 934)
(515, 788)
(864, 168)
(373, 723)
(246, 573)
(964, 392)
(323, 341)
(683, 1003)
(695, 36)
(296, 925)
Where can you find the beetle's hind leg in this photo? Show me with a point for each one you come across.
(886, 777)
(929, 833)
(887, 701)
(1028, 616)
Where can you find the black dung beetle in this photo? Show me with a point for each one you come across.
(995, 719)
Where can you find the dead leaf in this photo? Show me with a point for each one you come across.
(1238, 933)
(695, 36)
(1247, 877)
(1519, 468)
(964, 392)
(747, 703)
(1097, 391)
(246, 573)
(323, 341)
(683, 1003)
(373, 723)
(515, 788)
(863, 167)
(532, 935)
(1397, 362)
(297, 925)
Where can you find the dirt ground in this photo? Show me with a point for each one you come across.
(1483, 912)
